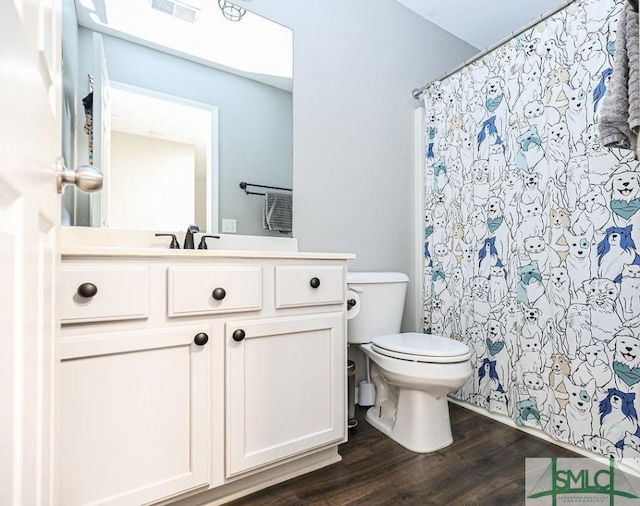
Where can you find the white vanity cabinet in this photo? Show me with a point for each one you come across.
(195, 372)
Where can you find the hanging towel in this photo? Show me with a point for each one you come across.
(619, 120)
(277, 212)
(87, 103)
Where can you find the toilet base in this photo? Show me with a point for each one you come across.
(421, 422)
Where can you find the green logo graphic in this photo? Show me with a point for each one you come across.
(556, 482)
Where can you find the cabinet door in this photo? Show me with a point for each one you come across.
(135, 416)
(285, 388)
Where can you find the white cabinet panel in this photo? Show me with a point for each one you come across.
(191, 289)
(122, 292)
(309, 285)
(285, 388)
(135, 417)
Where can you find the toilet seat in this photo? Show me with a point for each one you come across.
(415, 347)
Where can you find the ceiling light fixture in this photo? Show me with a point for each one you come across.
(231, 11)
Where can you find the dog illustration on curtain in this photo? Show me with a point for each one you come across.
(534, 230)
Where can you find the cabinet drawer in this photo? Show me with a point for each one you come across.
(294, 286)
(122, 293)
(191, 290)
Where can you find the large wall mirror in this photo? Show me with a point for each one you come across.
(178, 103)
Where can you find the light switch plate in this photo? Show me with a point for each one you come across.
(228, 226)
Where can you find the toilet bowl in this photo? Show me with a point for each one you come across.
(411, 402)
(413, 373)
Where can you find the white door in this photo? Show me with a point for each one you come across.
(30, 126)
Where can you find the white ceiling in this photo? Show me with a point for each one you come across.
(151, 116)
(255, 47)
(481, 23)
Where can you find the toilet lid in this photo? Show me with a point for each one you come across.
(422, 347)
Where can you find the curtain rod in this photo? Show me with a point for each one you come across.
(418, 91)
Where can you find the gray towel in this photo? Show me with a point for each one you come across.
(619, 120)
(277, 212)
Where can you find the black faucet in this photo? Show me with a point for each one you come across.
(188, 238)
(174, 242)
(203, 241)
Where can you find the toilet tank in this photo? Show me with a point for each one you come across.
(381, 300)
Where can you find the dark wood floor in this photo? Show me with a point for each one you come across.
(484, 466)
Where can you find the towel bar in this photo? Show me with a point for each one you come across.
(244, 185)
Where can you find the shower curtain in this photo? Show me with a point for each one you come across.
(532, 233)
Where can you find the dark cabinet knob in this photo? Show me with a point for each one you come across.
(351, 303)
(87, 290)
(219, 294)
(238, 335)
(315, 282)
(201, 339)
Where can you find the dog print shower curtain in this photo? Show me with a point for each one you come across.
(532, 233)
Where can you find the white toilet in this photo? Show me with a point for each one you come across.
(412, 372)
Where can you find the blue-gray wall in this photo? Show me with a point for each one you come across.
(355, 63)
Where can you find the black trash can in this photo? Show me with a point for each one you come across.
(351, 394)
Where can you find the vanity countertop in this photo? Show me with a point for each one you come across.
(109, 243)
(122, 252)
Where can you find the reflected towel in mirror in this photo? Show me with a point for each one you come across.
(277, 212)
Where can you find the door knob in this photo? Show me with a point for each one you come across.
(86, 177)
(238, 335)
(201, 339)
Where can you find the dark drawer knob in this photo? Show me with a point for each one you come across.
(219, 294)
(351, 303)
(315, 282)
(238, 335)
(201, 339)
(87, 290)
